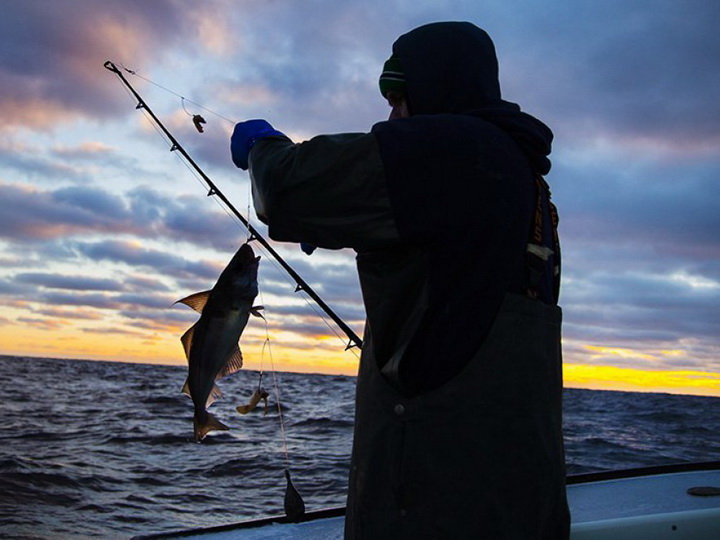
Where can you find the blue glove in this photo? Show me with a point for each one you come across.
(245, 136)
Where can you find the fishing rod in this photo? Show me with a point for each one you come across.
(301, 284)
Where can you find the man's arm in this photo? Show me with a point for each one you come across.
(329, 191)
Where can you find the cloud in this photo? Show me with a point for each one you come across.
(115, 330)
(58, 281)
(331, 85)
(646, 69)
(644, 313)
(32, 214)
(186, 218)
(95, 224)
(50, 78)
(669, 208)
(136, 256)
(145, 217)
(60, 313)
(95, 300)
(156, 301)
(49, 325)
(173, 316)
(94, 201)
(32, 163)
(10, 287)
(145, 284)
(89, 150)
(156, 309)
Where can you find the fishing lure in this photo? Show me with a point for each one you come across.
(294, 505)
(198, 121)
(260, 393)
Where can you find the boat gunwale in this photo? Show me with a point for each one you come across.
(638, 472)
(575, 479)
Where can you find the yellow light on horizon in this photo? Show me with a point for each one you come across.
(320, 354)
(638, 380)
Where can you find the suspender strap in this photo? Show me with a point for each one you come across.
(539, 254)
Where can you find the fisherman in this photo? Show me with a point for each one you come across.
(458, 430)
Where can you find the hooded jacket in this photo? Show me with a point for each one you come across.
(455, 182)
(439, 208)
(461, 178)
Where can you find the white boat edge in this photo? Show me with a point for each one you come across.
(691, 524)
(634, 504)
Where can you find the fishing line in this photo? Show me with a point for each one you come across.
(194, 173)
(318, 313)
(183, 98)
(293, 503)
(276, 387)
(248, 198)
(301, 284)
(284, 276)
(270, 259)
(198, 178)
(182, 102)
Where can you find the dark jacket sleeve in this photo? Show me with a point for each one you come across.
(329, 191)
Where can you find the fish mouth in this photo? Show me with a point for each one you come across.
(247, 255)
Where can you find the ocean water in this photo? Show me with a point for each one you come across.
(102, 449)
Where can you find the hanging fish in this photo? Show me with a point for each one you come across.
(294, 504)
(211, 344)
(260, 393)
(198, 120)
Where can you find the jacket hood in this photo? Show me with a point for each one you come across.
(530, 134)
(452, 68)
(449, 67)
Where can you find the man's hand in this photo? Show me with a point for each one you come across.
(245, 136)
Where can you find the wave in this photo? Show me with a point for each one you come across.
(111, 453)
(325, 423)
(153, 440)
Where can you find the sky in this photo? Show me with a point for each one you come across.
(102, 228)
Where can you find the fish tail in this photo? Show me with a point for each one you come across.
(204, 424)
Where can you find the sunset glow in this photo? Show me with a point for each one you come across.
(321, 354)
(636, 380)
(102, 228)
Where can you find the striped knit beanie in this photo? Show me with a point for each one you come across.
(392, 78)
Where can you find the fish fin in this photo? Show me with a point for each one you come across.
(196, 301)
(187, 339)
(255, 310)
(232, 364)
(215, 393)
(205, 426)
